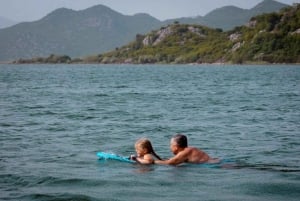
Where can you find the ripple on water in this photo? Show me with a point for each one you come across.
(55, 118)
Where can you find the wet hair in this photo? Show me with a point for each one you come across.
(180, 140)
(146, 144)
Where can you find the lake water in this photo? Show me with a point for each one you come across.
(54, 118)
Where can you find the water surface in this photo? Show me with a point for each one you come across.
(54, 118)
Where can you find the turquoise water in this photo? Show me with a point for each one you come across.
(54, 118)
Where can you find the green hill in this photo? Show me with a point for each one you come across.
(272, 38)
(99, 29)
(175, 43)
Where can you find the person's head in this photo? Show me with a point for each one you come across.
(178, 142)
(143, 146)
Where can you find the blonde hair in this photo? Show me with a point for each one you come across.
(144, 143)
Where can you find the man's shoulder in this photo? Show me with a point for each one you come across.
(195, 150)
(190, 149)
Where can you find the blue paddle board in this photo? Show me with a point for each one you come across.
(110, 156)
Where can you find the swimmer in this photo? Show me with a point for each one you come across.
(145, 152)
(185, 154)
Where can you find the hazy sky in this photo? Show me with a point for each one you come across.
(29, 10)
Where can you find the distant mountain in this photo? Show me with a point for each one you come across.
(99, 29)
(226, 17)
(266, 6)
(4, 22)
(267, 38)
(229, 17)
(76, 33)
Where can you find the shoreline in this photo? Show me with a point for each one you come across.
(136, 64)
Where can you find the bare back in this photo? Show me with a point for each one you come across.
(188, 155)
(195, 155)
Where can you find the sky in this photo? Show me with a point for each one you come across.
(31, 10)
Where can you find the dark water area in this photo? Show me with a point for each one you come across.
(54, 118)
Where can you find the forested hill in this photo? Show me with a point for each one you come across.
(99, 29)
(271, 38)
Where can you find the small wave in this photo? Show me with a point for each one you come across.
(14, 180)
(6, 125)
(252, 108)
(289, 94)
(120, 87)
(270, 167)
(53, 181)
(45, 180)
(42, 113)
(56, 129)
(91, 109)
(101, 95)
(34, 107)
(59, 197)
(79, 117)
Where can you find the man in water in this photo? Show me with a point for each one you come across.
(185, 154)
